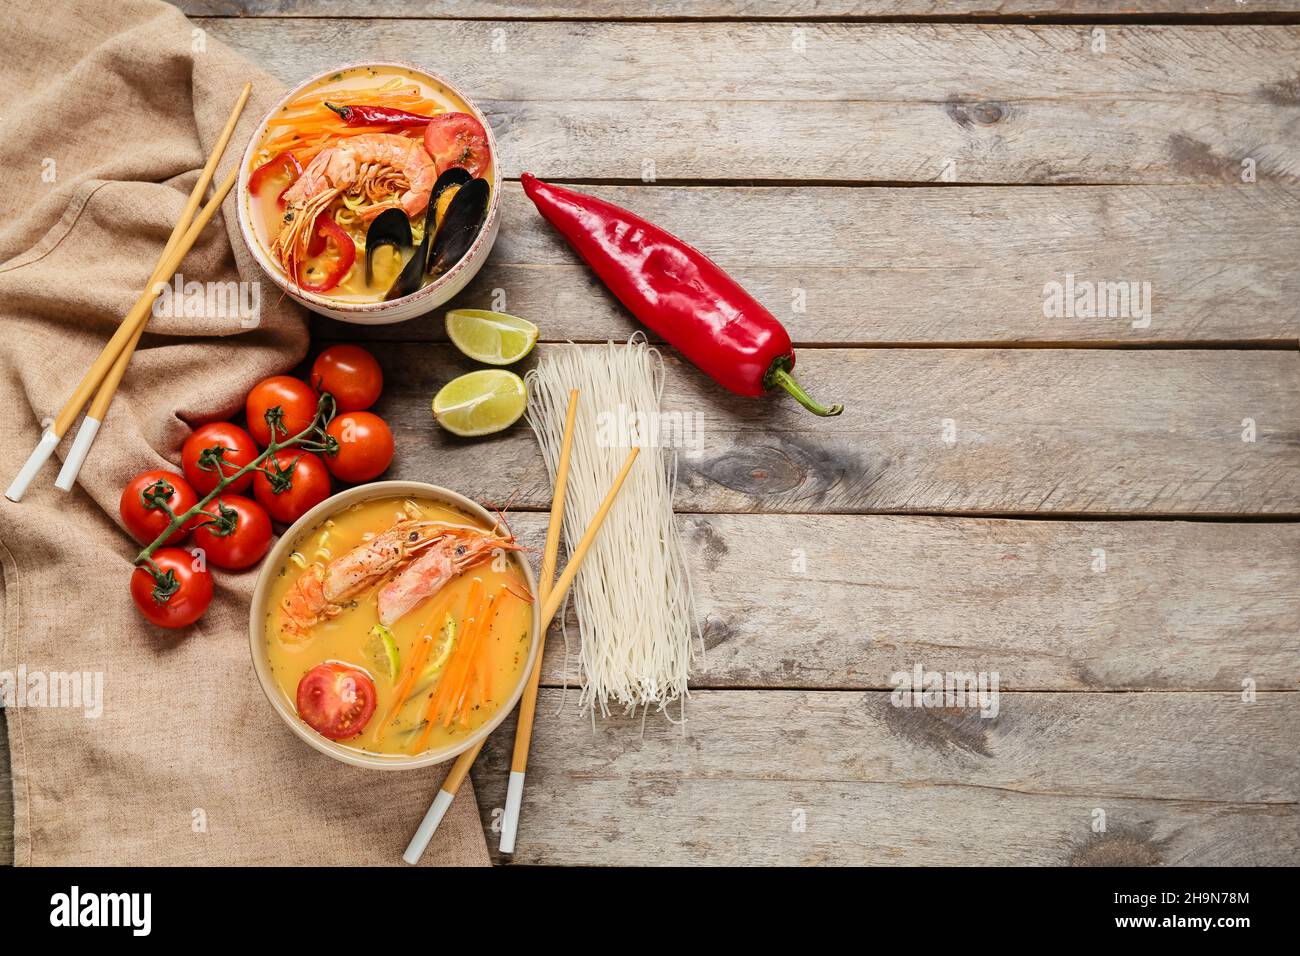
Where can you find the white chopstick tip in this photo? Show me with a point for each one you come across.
(35, 461)
(77, 454)
(510, 817)
(428, 826)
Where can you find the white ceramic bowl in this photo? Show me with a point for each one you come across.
(417, 303)
(257, 626)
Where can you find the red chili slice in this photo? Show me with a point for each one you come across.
(334, 267)
(282, 164)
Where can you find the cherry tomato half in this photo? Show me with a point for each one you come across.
(331, 253)
(457, 139)
(142, 500)
(235, 447)
(336, 700)
(294, 398)
(350, 374)
(184, 594)
(237, 535)
(365, 446)
(301, 482)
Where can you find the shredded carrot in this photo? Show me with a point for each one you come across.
(481, 629)
(449, 674)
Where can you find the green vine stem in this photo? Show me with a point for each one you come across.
(312, 438)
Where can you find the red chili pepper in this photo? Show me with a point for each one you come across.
(678, 292)
(378, 116)
(285, 164)
(324, 230)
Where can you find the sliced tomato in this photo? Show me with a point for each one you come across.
(457, 139)
(331, 252)
(282, 169)
(336, 700)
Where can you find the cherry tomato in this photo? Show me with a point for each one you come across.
(457, 139)
(301, 482)
(336, 700)
(350, 374)
(183, 595)
(365, 446)
(237, 535)
(295, 400)
(236, 448)
(142, 500)
(331, 253)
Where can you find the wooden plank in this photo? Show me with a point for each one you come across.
(844, 266)
(847, 601)
(1046, 431)
(906, 102)
(1181, 778)
(741, 9)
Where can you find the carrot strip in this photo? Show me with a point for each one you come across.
(449, 674)
(463, 672)
(412, 670)
(460, 708)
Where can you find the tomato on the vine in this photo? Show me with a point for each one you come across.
(199, 457)
(364, 449)
(145, 502)
(350, 374)
(236, 535)
(179, 594)
(294, 399)
(291, 483)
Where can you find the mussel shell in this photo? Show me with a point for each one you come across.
(412, 274)
(390, 228)
(451, 176)
(460, 226)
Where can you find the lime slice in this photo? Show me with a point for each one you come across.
(492, 338)
(480, 403)
(441, 649)
(381, 651)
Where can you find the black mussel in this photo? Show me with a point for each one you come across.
(460, 225)
(451, 176)
(390, 228)
(412, 274)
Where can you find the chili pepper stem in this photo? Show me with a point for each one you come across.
(782, 377)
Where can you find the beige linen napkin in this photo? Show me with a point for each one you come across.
(109, 111)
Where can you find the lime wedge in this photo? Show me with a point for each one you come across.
(492, 338)
(480, 403)
(381, 651)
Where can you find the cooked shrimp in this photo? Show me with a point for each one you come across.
(426, 575)
(385, 169)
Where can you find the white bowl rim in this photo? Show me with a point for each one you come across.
(257, 624)
(367, 309)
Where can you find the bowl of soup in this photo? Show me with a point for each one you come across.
(394, 625)
(371, 192)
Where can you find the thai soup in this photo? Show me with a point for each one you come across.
(342, 183)
(399, 625)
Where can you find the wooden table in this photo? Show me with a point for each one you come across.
(1101, 510)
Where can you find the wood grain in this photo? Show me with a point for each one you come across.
(1045, 431)
(836, 102)
(1181, 778)
(742, 9)
(846, 601)
(849, 266)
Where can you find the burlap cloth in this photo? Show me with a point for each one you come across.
(109, 112)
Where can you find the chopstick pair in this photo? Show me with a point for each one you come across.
(552, 597)
(105, 373)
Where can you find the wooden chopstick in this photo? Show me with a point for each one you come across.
(112, 376)
(551, 605)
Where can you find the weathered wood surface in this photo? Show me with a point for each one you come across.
(835, 102)
(846, 601)
(739, 9)
(852, 266)
(1035, 430)
(1181, 779)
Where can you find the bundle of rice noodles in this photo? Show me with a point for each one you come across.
(635, 611)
